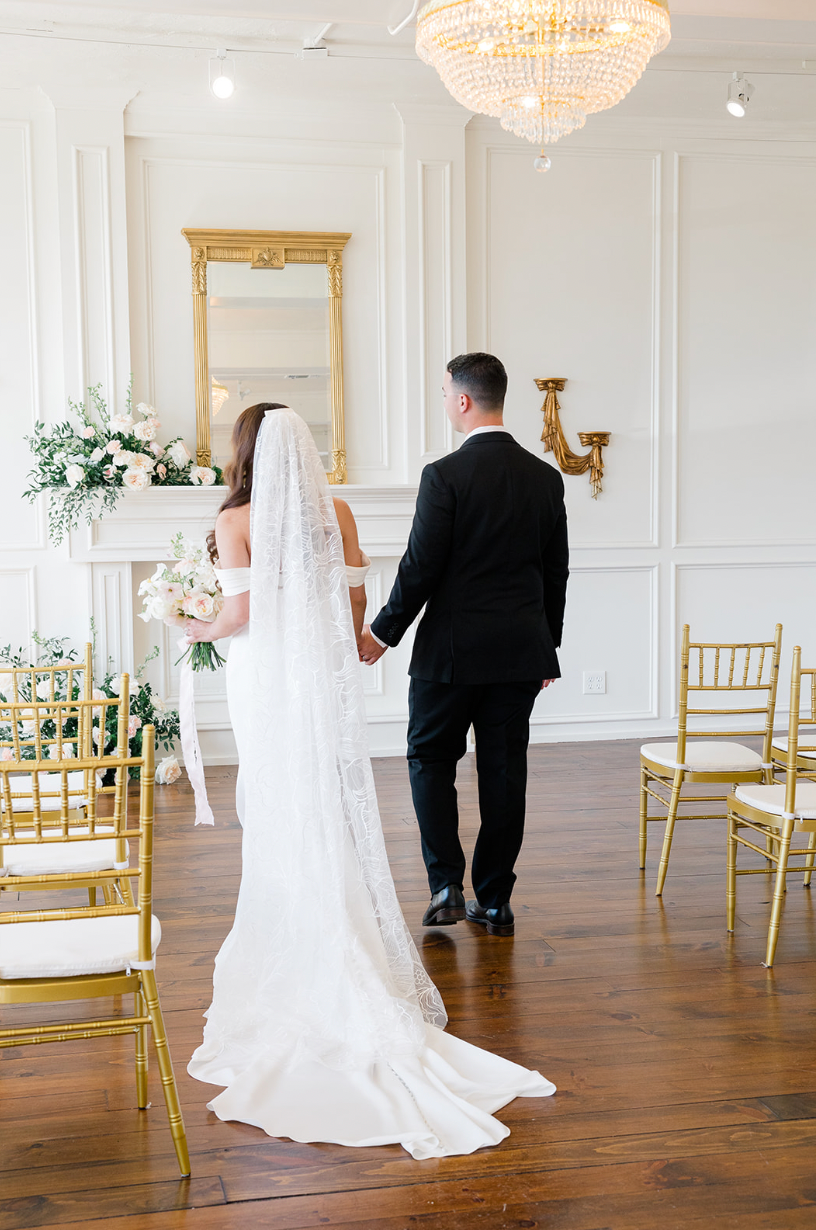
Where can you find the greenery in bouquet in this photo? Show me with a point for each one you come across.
(146, 708)
(185, 589)
(86, 462)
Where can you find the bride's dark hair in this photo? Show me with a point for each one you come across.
(238, 470)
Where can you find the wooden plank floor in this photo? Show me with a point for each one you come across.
(685, 1071)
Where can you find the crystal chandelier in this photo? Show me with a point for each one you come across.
(541, 66)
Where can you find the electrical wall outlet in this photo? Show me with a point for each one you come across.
(594, 683)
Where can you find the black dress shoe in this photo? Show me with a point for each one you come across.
(498, 921)
(447, 907)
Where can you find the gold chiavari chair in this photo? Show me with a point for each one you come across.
(775, 812)
(709, 757)
(36, 690)
(806, 741)
(51, 955)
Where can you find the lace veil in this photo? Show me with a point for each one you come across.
(320, 964)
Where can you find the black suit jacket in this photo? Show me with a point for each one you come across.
(488, 554)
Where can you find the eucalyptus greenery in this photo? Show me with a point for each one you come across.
(86, 462)
(146, 708)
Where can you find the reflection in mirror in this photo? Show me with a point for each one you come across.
(268, 340)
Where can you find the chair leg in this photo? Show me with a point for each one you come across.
(141, 1054)
(669, 833)
(809, 860)
(644, 808)
(168, 1080)
(731, 874)
(92, 897)
(779, 893)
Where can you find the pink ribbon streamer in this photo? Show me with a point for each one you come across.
(189, 743)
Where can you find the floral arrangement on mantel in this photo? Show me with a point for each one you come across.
(146, 708)
(85, 465)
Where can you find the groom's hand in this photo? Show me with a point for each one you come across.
(370, 650)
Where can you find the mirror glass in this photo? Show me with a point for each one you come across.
(268, 340)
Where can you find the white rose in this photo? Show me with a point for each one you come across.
(109, 472)
(6, 684)
(136, 480)
(120, 422)
(146, 430)
(168, 771)
(44, 690)
(124, 458)
(74, 475)
(148, 411)
(113, 446)
(159, 705)
(88, 433)
(141, 461)
(156, 449)
(6, 753)
(179, 454)
(97, 454)
(203, 475)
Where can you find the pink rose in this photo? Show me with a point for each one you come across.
(199, 606)
(146, 430)
(134, 723)
(109, 471)
(156, 449)
(6, 754)
(88, 432)
(113, 446)
(135, 480)
(161, 470)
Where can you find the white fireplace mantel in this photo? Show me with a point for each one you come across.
(139, 529)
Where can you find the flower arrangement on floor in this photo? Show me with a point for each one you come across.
(146, 708)
(86, 463)
(185, 590)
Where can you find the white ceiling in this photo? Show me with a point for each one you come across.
(149, 46)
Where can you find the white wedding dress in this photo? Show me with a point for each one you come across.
(324, 1025)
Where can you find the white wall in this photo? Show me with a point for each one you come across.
(666, 271)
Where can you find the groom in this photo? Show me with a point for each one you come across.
(488, 555)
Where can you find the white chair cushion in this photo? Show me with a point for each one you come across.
(772, 799)
(67, 949)
(714, 757)
(808, 738)
(53, 857)
(50, 782)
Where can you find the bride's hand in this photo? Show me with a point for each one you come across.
(198, 630)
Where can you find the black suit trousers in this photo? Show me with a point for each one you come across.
(440, 715)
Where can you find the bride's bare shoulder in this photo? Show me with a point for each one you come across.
(232, 536)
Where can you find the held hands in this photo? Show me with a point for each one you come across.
(370, 651)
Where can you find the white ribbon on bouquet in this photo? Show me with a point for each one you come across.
(189, 742)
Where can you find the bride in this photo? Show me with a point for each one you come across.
(324, 1025)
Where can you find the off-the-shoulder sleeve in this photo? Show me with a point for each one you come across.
(357, 576)
(233, 581)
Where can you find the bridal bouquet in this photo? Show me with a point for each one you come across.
(87, 462)
(186, 589)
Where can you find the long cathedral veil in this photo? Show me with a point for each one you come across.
(324, 1024)
(319, 936)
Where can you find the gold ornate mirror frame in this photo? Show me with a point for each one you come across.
(269, 250)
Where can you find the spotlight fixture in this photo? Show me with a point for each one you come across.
(739, 95)
(222, 75)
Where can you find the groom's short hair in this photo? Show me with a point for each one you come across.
(482, 377)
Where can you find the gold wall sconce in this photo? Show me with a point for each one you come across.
(554, 441)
